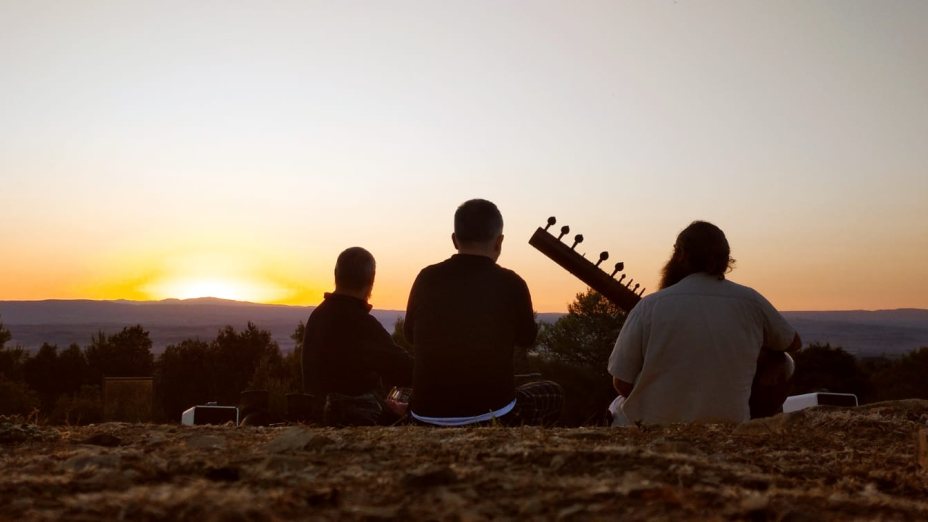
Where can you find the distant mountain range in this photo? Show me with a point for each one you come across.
(865, 333)
(62, 322)
(169, 322)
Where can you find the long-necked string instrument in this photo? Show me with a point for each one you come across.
(624, 296)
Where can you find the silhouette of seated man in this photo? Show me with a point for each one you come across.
(702, 348)
(465, 317)
(349, 359)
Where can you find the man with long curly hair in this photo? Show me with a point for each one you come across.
(702, 349)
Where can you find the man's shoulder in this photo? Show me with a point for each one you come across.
(436, 267)
(510, 274)
(339, 319)
(702, 286)
(373, 323)
(740, 292)
(319, 310)
(707, 285)
(430, 274)
(646, 304)
(450, 265)
(337, 306)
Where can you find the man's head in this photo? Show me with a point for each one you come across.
(354, 272)
(478, 229)
(700, 247)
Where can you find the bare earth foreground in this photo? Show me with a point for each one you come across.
(820, 464)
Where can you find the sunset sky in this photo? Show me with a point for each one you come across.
(181, 149)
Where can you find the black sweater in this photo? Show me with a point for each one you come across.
(465, 316)
(346, 350)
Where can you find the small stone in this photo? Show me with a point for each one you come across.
(531, 506)
(570, 511)
(102, 439)
(283, 463)
(223, 474)
(20, 504)
(296, 439)
(775, 425)
(324, 496)
(206, 442)
(82, 462)
(375, 513)
(754, 502)
(429, 476)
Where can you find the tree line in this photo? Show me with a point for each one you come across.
(64, 386)
(574, 350)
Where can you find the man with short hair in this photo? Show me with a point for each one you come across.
(465, 317)
(348, 356)
(691, 351)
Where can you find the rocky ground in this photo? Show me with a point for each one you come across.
(820, 464)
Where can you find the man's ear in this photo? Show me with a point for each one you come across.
(498, 245)
(454, 239)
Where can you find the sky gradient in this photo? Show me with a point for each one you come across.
(180, 149)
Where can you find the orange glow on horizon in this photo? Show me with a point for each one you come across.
(224, 273)
(223, 288)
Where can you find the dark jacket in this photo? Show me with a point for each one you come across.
(346, 350)
(465, 317)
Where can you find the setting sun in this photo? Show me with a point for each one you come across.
(221, 273)
(188, 288)
(221, 270)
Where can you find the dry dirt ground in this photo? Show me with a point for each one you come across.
(819, 464)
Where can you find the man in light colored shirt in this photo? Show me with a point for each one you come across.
(690, 352)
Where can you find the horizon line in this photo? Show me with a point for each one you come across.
(254, 303)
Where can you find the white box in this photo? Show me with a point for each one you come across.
(807, 400)
(209, 414)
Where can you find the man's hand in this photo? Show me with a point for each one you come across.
(397, 400)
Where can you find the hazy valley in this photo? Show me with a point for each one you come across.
(62, 322)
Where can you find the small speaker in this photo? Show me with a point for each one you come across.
(210, 414)
(807, 400)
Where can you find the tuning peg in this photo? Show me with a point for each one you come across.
(602, 257)
(564, 230)
(629, 283)
(621, 278)
(577, 240)
(641, 293)
(551, 221)
(618, 268)
(636, 288)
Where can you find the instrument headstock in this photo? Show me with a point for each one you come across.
(624, 296)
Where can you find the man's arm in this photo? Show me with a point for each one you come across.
(627, 357)
(526, 327)
(624, 388)
(309, 383)
(410, 321)
(792, 349)
(779, 335)
(384, 357)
